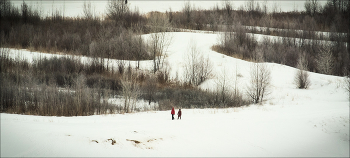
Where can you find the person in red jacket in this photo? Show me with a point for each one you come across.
(179, 114)
(172, 113)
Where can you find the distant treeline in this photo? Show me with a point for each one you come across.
(332, 17)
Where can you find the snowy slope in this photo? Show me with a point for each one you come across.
(293, 122)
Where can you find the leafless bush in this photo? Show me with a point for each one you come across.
(325, 60)
(130, 93)
(301, 79)
(150, 89)
(197, 68)
(347, 85)
(260, 77)
(222, 89)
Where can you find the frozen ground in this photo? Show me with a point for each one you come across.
(293, 122)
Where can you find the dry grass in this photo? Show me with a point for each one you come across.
(220, 49)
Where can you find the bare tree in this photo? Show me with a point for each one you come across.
(347, 85)
(228, 8)
(222, 89)
(140, 48)
(116, 9)
(187, 12)
(130, 92)
(312, 7)
(260, 77)
(197, 68)
(159, 41)
(236, 92)
(301, 79)
(228, 93)
(250, 5)
(325, 62)
(150, 88)
(88, 11)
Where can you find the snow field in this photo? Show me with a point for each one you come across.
(246, 131)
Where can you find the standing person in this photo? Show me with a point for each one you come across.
(179, 114)
(172, 113)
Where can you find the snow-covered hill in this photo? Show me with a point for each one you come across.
(293, 122)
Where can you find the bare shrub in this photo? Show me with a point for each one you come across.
(260, 77)
(236, 96)
(325, 61)
(197, 68)
(150, 89)
(130, 93)
(347, 85)
(301, 79)
(222, 89)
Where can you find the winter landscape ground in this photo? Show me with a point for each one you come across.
(74, 114)
(293, 122)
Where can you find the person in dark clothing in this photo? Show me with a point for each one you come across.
(179, 114)
(172, 113)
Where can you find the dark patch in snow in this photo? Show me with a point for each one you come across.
(113, 141)
(135, 141)
(154, 139)
(95, 141)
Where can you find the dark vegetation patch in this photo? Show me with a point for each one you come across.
(112, 141)
(135, 141)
